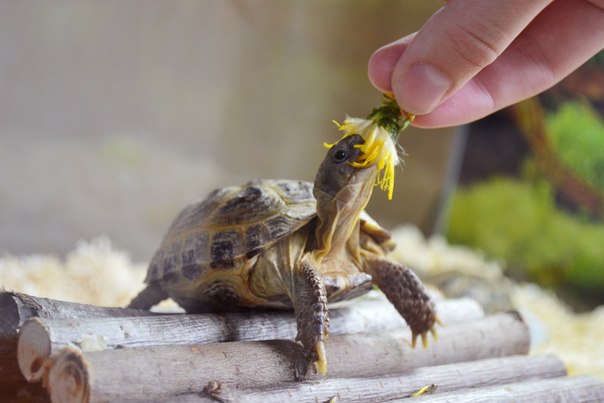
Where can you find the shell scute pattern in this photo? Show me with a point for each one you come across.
(191, 272)
(187, 257)
(296, 191)
(198, 243)
(255, 237)
(279, 226)
(231, 225)
(196, 213)
(226, 247)
(251, 204)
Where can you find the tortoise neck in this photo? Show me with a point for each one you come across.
(337, 229)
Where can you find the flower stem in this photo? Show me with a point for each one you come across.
(390, 116)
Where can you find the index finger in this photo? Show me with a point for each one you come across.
(457, 42)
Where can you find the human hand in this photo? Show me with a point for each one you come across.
(474, 57)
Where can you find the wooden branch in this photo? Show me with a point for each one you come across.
(567, 389)
(39, 339)
(169, 370)
(445, 378)
(24, 392)
(16, 308)
(9, 368)
(492, 336)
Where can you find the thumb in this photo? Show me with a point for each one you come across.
(458, 41)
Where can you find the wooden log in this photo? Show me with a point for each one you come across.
(476, 374)
(13, 386)
(39, 339)
(165, 371)
(9, 367)
(16, 308)
(18, 392)
(567, 389)
(492, 336)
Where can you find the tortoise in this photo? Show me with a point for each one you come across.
(287, 244)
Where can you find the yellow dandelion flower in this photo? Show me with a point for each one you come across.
(380, 132)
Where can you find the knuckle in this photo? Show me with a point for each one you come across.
(476, 48)
(597, 3)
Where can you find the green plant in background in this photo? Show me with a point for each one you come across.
(576, 132)
(519, 221)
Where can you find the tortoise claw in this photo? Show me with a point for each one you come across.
(321, 361)
(434, 334)
(424, 335)
(406, 292)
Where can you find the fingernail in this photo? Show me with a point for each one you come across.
(421, 89)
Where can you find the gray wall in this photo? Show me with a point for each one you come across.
(115, 114)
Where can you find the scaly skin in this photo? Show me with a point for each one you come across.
(310, 304)
(406, 292)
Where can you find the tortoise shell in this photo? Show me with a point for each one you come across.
(233, 224)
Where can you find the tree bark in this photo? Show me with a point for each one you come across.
(566, 389)
(16, 308)
(165, 371)
(445, 378)
(40, 338)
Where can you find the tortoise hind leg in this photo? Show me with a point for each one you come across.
(310, 304)
(151, 295)
(406, 292)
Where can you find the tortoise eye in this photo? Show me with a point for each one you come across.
(340, 155)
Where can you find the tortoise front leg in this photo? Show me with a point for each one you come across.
(406, 292)
(310, 304)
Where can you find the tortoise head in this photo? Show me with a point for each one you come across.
(342, 191)
(337, 178)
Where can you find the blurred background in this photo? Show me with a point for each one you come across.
(531, 189)
(115, 115)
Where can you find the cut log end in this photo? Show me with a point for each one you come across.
(33, 349)
(69, 379)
